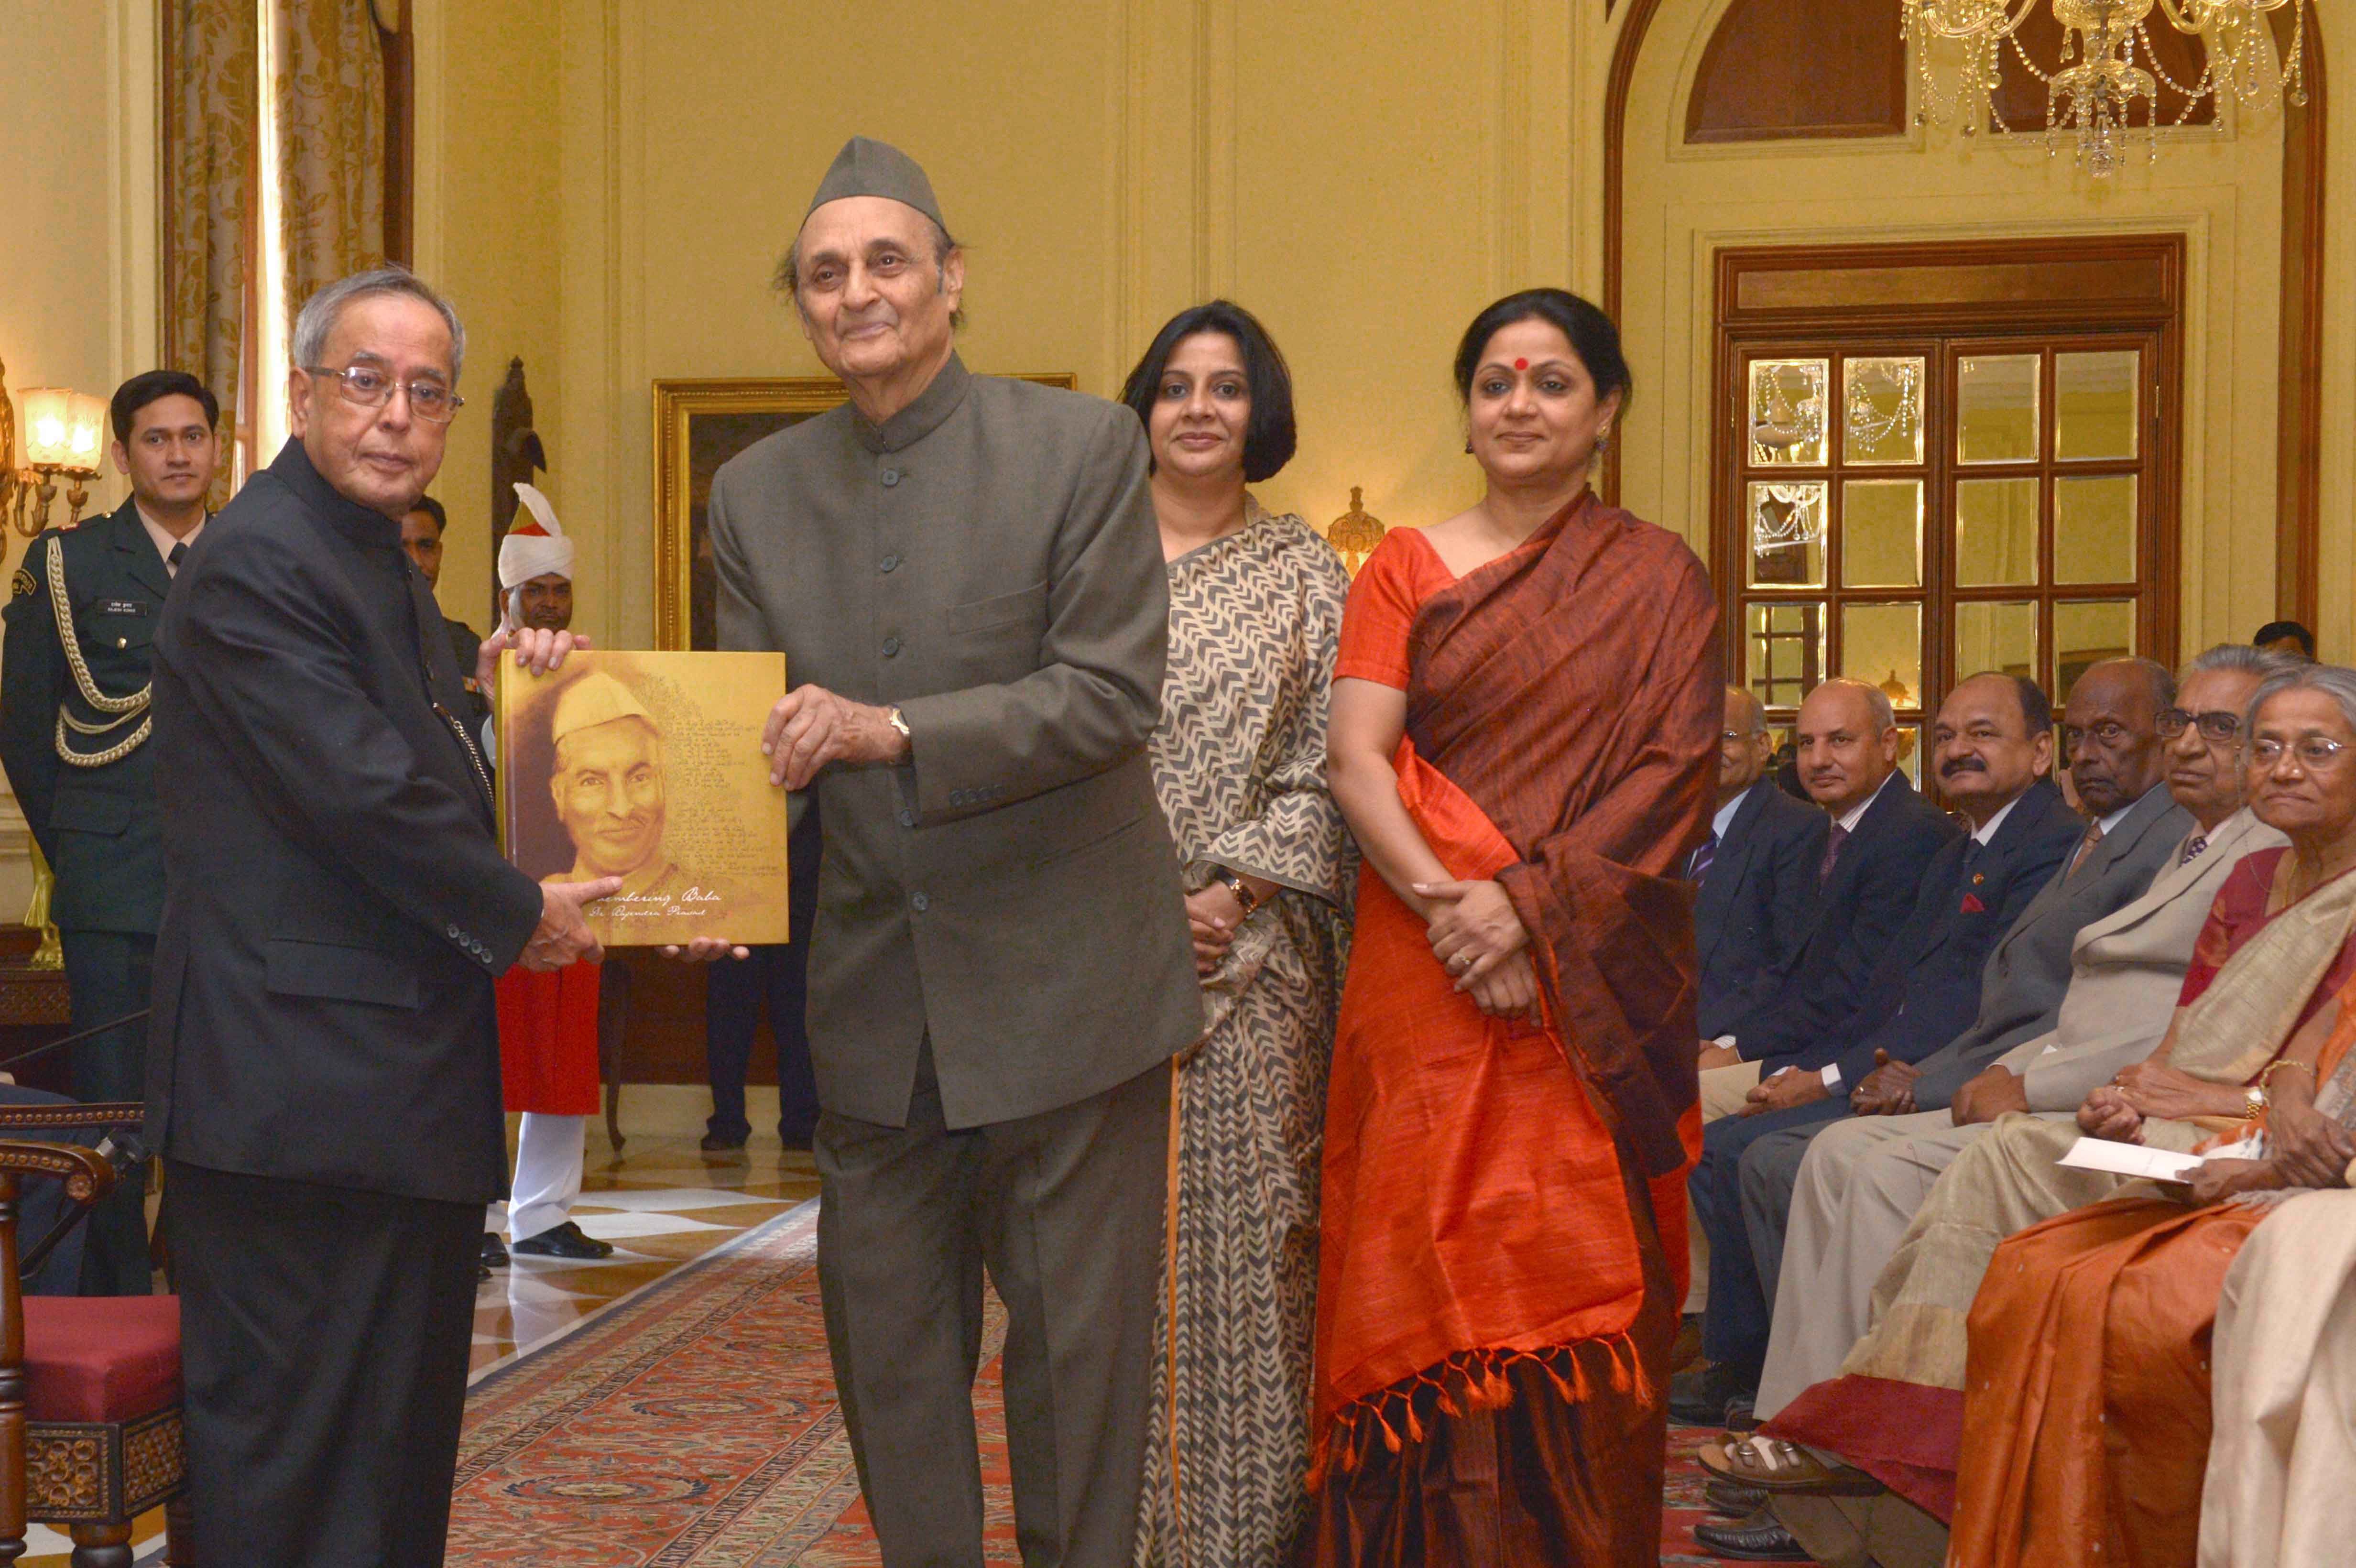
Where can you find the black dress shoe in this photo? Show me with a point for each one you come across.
(565, 1241)
(1757, 1538)
(720, 1143)
(494, 1252)
(482, 1273)
(1701, 1397)
(1733, 1499)
(797, 1137)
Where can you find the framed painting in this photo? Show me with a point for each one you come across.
(699, 425)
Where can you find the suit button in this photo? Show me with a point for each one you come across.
(889, 563)
(122, 642)
(919, 902)
(890, 477)
(907, 817)
(891, 646)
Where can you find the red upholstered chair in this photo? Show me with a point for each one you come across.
(89, 1386)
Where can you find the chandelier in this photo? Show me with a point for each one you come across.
(2097, 82)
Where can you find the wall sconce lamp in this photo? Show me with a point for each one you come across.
(64, 432)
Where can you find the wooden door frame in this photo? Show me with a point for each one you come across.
(1855, 294)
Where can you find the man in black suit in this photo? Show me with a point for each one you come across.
(1880, 836)
(74, 726)
(1754, 877)
(323, 1071)
(1993, 751)
(421, 528)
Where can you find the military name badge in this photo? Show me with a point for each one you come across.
(21, 584)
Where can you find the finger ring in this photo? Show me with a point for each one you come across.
(1460, 964)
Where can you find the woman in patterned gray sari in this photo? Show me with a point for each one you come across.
(1255, 612)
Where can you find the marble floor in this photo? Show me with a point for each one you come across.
(660, 1200)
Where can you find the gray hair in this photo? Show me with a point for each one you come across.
(319, 312)
(1885, 717)
(2239, 658)
(2333, 680)
(1753, 706)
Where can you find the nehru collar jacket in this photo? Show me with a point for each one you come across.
(987, 559)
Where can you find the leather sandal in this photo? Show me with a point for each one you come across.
(1771, 1464)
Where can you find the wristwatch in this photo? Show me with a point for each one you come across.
(2254, 1101)
(1235, 885)
(899, 720)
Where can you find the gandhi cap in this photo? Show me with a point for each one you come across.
(869, 168)
(595, 698)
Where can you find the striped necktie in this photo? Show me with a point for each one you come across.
(2086, 847)
(1699, 867)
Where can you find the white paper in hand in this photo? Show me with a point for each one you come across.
(2130, 1159)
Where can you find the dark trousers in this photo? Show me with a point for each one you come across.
(1735, 1328)
(324, 1336)
(41, 1206)
(108, 973)
(1065, 1211)
(774, 978)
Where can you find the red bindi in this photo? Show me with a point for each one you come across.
(1521, 363)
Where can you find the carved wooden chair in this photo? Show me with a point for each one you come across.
(89, 1386)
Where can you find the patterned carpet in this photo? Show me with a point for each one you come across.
(693, 1425)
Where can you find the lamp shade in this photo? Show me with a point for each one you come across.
(48, 427)
(85, 432)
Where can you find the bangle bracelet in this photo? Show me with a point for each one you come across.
(2267, 1077)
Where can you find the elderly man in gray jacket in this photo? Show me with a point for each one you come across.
(1863, 1179)
(966, 578)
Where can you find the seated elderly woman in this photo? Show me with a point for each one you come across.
(2262, 1001)
(2086, 1399)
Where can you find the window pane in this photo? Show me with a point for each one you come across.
(1882, 411)
(2000, 635)
(2095, 404)
(2086, 633)
(1787, 535)
(1996, 532)
(2094, 529)
(1787, 413)
(1881, 644)
(1996, 408)
(1881, 533)
(1787, 651)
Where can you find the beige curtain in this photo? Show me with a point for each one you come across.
(330, 91)
(212, 109)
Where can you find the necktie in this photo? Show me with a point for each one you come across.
(1699, 867)
(172, 561)
(2193, 847)
(2086, 847)
(1833, 842)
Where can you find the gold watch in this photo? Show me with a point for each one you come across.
(899, 720)
(1235, 885)
(2254, 1100)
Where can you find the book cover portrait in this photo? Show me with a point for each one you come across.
(647, 766)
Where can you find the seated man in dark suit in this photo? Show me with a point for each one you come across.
(1755, 877)
(1993, 751)
(1881, 834)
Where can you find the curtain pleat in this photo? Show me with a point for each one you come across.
(212, 49)
(330, 91)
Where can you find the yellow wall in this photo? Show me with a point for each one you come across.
(1363, 176)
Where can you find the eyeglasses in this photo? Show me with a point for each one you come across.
(2312, 751)
(372, 388)
(2222, 728)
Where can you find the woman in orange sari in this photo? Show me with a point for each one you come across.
(2086, 1399)
(1523, 734)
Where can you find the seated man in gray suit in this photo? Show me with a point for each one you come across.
(964, 577)
(1863, 1179)
(1755, 877)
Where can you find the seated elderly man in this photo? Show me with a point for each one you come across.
(2267, 985)
(1993, 753)
(1863, 1179)
(1755, 877)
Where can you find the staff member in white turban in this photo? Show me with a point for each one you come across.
(536, 567)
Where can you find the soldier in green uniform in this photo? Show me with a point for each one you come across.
(74, 723)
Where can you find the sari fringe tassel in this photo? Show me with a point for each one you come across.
(1475, 1380)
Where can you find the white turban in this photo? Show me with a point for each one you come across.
(535, 548)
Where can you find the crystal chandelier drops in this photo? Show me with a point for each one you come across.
(2107, 65)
